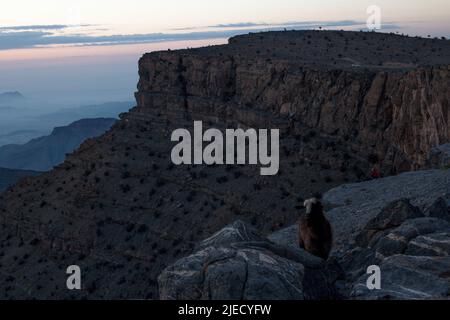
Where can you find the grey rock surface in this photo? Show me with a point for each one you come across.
(235, 232)
(398, 223)
(408, 277)
(440, 209)
(286, 236)
(354, 205)
(357, 203)
(232, 265)
(413, 259)
(439, 157)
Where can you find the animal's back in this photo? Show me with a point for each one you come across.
(315, 235)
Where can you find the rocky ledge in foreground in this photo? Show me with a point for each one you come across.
(407, 237)
(238, 263)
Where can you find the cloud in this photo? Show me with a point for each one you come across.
(41, 35)
(34, 27)
(316, 24)
(39, 27)
(239, 25)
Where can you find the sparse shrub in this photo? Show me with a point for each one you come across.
(125, 188)
(325, 166)
(222, 179)
(130, 227)
(256, 186)
(160, 182)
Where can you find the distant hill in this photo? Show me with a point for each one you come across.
(22, 121)
(10, 97)
(105, 110)
(43, 153)
(9, 177)
(20, 136)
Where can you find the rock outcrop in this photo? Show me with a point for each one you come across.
(439, 157)
(413, 258)
(236, 263)
(120, 209)
(353, 206)
(412, 249)
(409, 238)
(393, 105)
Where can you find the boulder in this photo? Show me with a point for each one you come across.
(393, 215)
(286, 236)
(440, 209)
(237, 263)
(397, 240)
(413, 259)
(439, 157)
(396, 235)
(237, 231)
(407, 236)
(436, 244)
(408, 277)
(354, 205)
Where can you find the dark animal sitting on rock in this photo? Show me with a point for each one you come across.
(315, 234)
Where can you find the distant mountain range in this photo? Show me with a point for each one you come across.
(10, 97)
(42, 154)
(106, 110)
(22, 121)
(9, 177)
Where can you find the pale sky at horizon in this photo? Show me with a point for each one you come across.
(97, 60)
(156, 16)
(112, 22)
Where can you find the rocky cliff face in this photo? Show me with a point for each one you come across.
(378, 95)
(122, 211)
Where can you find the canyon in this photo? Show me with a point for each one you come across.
(121, 210)
(41, 154)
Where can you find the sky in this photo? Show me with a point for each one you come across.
(80, 52)
(155, 16)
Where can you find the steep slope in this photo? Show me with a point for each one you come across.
(122, 211)
(44, 153)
